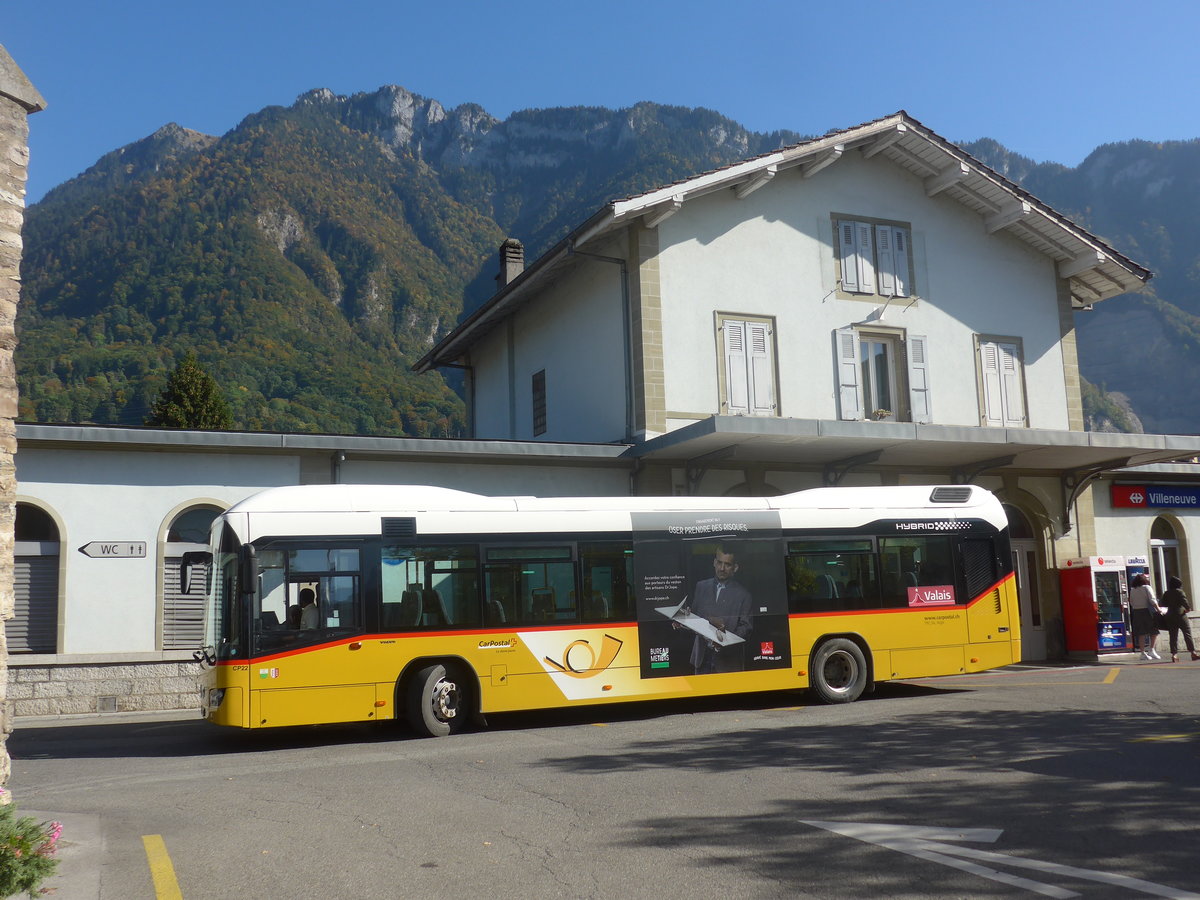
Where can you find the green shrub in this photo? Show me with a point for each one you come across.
(27, 849)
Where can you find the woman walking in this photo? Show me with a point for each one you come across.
(1143, 611)
(1177, 606)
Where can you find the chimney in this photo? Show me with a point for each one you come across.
(512, 262)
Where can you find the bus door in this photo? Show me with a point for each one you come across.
(992, 625)
(308, 602)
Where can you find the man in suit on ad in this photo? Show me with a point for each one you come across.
(725, 603)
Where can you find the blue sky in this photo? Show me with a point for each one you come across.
(1051, 79)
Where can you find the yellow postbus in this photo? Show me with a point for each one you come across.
(350, 603)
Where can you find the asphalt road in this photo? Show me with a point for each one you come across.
(1053, 782)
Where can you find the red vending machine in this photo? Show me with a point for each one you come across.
(1095, 604)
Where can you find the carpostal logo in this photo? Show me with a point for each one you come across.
(498, 643)
(580, 659)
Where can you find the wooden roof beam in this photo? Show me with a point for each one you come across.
(1080, 264)
(1007, 216)
(754, 182)
(828, 158)
(656, 215)
(885, 140)
(935, 184)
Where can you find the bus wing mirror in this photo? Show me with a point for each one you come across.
(187, 565)
(248, 576)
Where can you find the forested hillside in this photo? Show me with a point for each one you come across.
(311, 254)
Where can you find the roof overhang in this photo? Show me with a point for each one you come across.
(957, 453)
(110, 438)
(1093, 270)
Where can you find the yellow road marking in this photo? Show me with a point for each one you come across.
(161, 870)
(1108, 679)
(1167, 737)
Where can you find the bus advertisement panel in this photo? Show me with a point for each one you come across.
(711, 593)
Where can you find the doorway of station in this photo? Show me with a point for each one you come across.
(1024, 546)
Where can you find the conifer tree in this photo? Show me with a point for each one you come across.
(191, 399)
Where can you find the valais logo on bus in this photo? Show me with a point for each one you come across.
(931, 595)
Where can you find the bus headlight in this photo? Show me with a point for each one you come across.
(215, 696)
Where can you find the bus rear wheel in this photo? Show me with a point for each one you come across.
(839, 671)
(436, 702)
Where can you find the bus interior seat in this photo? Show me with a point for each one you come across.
(826, 588)
(435, 608)
(268, 620)
(410, 605)
(542, 604)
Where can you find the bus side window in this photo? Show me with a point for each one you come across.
(911, 562)
(831, 575)
(429, 587)
(607, 571)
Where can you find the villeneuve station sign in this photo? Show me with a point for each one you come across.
(1155, 496)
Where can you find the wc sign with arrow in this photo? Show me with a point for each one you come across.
(114, 549)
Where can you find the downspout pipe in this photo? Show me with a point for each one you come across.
(627, 330)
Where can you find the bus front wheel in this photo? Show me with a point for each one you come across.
(838, 671)
(436, 702)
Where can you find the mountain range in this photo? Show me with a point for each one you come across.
(311, 254)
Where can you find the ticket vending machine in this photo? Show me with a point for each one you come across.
(1136, 565)
(1095, 604)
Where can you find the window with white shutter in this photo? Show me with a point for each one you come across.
(878, 371)
(748, 367)
(874, 258)
(1002, 383)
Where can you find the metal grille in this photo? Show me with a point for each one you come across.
(183, 614)
(34, 626)
(400, 527)
(979, 567)
(950, 494)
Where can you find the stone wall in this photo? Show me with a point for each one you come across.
(50, 686)
(18, 99)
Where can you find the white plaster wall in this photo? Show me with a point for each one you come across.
(1126, 532)
(575, 331)
(489, 360)
(494, 480)
(108, 605)
(772, 255)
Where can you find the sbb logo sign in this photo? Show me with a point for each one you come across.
(1129, 495)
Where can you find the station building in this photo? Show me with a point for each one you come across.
(873, 307)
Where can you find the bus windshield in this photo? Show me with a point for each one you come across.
(223, 637)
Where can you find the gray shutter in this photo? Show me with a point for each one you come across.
(762, 369)
(903, 285)
(918, 379)
(1014, 388)
(849, 393)
(183, 614)
(993, 390)
(866, 258)
(737, 391)
(34, 626)
(847, 240)
(887, 262)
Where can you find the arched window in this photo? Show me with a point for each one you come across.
(34, 626)
(1019, 528)
(1164, 553)
(183, 592)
